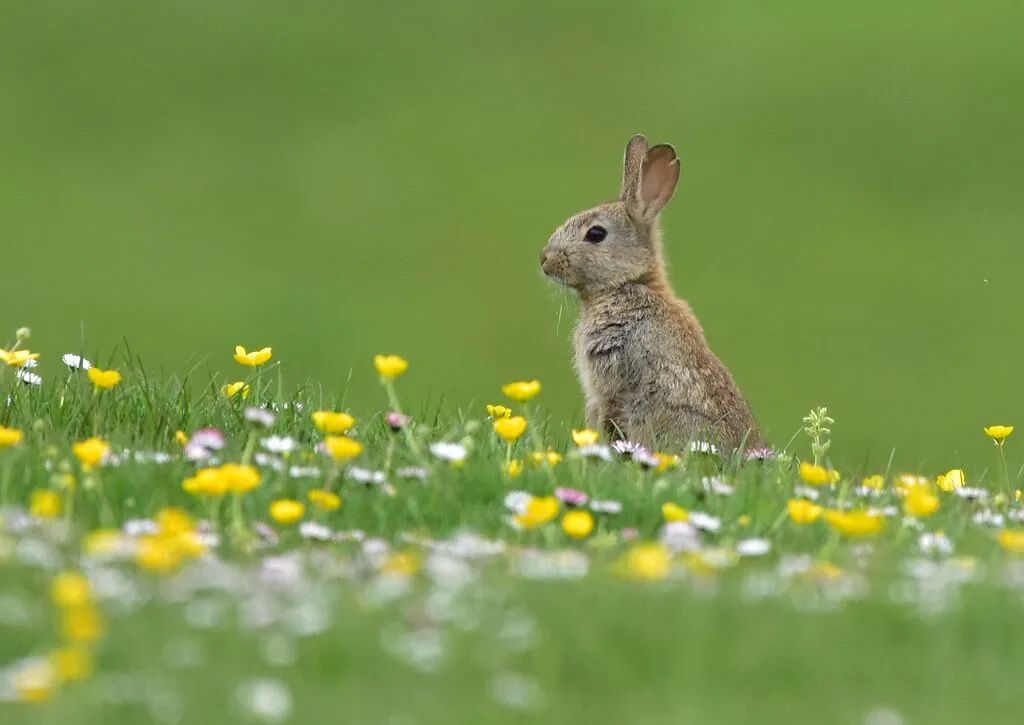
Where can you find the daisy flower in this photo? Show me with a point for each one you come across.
(279, 444)
(75, 362)
(606, 506)
(28, 377)
(571, 496)
(259, 416)
(451, 452)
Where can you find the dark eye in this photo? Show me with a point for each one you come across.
(596, 234)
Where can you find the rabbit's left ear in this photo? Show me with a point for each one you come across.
(654, 184)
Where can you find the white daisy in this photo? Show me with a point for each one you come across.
(75, 362)
(680, 536)
(314, 530)
(937, 543)
(28, 377)
(702, 447)
(279, 444)
(753, 547)
(365, 475)
(704, 521)
(416, 472)
(260, 416)
(595, 451)
(451, 452)
(606, 506)
(517, 501)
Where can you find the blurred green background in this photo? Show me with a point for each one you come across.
(339, 179)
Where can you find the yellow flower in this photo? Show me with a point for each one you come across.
(876, 482)
(334, 423)
(206, 482)
(999, 433)
(514, 468)
(252, 359)
(70, 589)
(91, 451)
(551, 458)
(10, 437)
(103, 541)
(71, 663)
(401, 563)
(521, 391)
(104, 379)
(510, 428)
(803, 511)
(35, 681)
(585, 437)
(240, 478)
(343, 448)
(286, 511)
(82, 624)
(159, 554)
(498, 411)
(854, 523)
(180, 437)
(824, 571)
(578, 524)
(817, 475)
(390, 366)
(45, 504)
(666, 461)
(952, 480)
(324, 500)
(17, 358)
(743, 520)
(1012, 540)
(232, 389)
(539, 511)
(674, 512)
(920, 502)
(173, 521)
(650, 562)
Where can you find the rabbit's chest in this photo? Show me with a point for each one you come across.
(606, 357)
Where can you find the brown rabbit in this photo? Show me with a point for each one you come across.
(646, 370)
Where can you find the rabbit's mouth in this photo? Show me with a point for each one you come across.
(555, 264)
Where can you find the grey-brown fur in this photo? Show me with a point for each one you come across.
(646, 370)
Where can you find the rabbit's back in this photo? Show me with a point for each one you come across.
(649, 375)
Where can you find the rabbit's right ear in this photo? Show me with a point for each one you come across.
(649, 178)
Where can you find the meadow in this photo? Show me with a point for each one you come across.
(258, 552)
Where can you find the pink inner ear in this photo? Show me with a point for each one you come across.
(659, 179)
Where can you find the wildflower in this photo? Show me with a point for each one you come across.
(605, 506)
(571, 496)
(29, 378)
(951, 480)
(333, 423)
(521, 391)
(510, 428)
(71, 663)
(91, 451)
(626, 448)
(517, 501)
(70, 589)
(674, 512)
(743, 520)
(596, 451)
(342, 448)
(102, 542)
(83, 623)
(17, 358)
(390, 367)
(454, 453)
(259, 416)
(540, 458)
(666, 461)
(498, 411)
(999, 433)
(803, 511)
(158, 554)
(282, 445)
(753, 547)
(514, 468)
(817, 475)
(646, 458)
(539, 511)
(10, 437)
(367, 476)
(760, 454)
(206, 482)
(702, 447)
(104, 379)
(324, 500)
(315, 531)
(578, 524)
(920, 502)
(704, 521)
(585, 437)
(75, 362)
(34, 681)
(649, 562)
(1012, 540)
(937, 543)
(875, 482)
(252, 359)
(232, 389)
(286, 511)
(397, 421)
(854, 523)
(181, 438)
(45, 504)
(240, 478)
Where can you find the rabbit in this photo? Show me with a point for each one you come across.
(646, 370)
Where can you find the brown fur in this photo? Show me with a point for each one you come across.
(646, 370)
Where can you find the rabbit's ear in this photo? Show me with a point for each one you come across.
(632, 168)
(658, 179)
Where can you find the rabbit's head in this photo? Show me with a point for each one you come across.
(619, 242)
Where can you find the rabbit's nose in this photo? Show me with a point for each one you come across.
(543, 257)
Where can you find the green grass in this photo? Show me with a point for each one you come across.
(338, 180)
(722, 639)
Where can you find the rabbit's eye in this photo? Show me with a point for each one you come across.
(596, 234)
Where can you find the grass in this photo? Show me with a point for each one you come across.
(394, 625)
